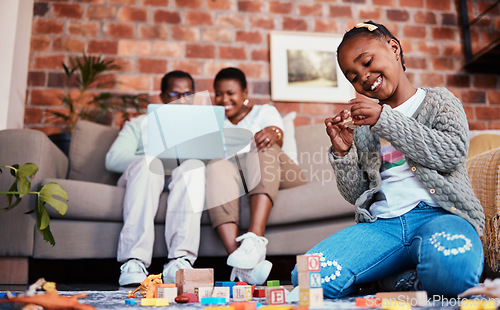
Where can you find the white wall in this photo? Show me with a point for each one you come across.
(16, 17)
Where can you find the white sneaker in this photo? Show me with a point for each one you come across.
(133, 272)
(251, 251)
(170, 269)
(257, 275)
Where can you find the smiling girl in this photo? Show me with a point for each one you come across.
(404, 171)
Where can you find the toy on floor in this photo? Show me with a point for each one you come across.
(146, 285)
(50, 299)
(490, 288)
(309, 276)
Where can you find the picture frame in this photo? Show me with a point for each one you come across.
(304, 68)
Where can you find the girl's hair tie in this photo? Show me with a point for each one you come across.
(370, 27)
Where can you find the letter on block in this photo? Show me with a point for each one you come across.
(312, 297)
(203, 291)
(167, 291)
(187, 279)
(308, 263)
(242, 293)
(275, 295)
(309, 279)
(222, 291)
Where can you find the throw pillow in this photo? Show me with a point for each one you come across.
(289, 143)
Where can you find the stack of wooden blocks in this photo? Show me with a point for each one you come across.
(309, 274)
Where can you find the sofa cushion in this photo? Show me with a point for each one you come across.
(482, 143)
(87, 152)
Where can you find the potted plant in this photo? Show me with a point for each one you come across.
(89, 76)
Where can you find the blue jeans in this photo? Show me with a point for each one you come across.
(443, 247)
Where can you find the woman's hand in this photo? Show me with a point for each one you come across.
(340, 134)
(265, 138)
(365, 111)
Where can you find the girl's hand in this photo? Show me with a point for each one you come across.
(265, 138)
(365, 111)
(340, 135)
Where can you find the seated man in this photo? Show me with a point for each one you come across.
(142, 194)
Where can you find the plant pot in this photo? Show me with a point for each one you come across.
(62, 141)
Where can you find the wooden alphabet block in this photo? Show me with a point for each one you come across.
(309, 279)
(242, 293)
(260, 292)
(308, 263)
(311, 297)
(187, 279)
(167, 291)
(222, 291)
(203, 291)
(275, 295)
(416, 299)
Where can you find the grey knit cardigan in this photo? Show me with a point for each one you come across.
(435, 144)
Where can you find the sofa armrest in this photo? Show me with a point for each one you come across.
(20, 146)
(484, 173)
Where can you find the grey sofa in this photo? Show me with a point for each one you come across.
(301, 217)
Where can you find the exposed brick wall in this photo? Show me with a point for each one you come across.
(149, 37)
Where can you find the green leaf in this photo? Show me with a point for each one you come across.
(42, 217)
(47, 235)
(47, 193)
(13, 188)
(24, 173)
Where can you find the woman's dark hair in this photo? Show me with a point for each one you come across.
(381, 33)
(177, 74)
(231, 74)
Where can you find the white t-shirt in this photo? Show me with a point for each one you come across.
(260, 117)
(400, 190)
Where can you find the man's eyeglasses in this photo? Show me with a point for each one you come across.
(176, 94)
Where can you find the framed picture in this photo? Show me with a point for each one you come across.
(304, 68)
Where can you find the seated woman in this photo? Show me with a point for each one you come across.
(225, 184)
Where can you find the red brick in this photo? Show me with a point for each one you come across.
(101, 12)
(102, 47)
(204, 84)
(40, 9)
(200, 51)
(48, 130)
(152, 65)
(128, 14)
(68, 45)
(219, 5)
(134, 48)
(169, 17)
(249, 37)
(438, 5)
(123, 2)
(285, 108)
(141, 83)
(441, 33)
(191, 4)
(194, 67)
(85, 29)
(414, 31)
(302, 120)
(230, 52)
(449, 19)
(453, 50)
(294, 24)
(310, 9)
(485, 81)
(411, 3)
(254, 6)
(261, 22)
(431, 79)
(33, 115)
(487, 113)
(493, 125)
(316, 108)
(326, 25)
(126, 65)
(57, 80)
(256, 71)
(457, 80)
(469, 111)
(428, 47)
(40, 43)
(233, 20)
(340, 11)
(472, 96)
(412, 62)
(48, 62)
(190, 34)
(494, 97)
(120, 31)
(153, 32)
(398, 15)
(407, 46)
(390, 3)
(64, 10)
(260, 55)
(217, 35)
(45, 26)
(427, 18)
(280, 7)
(370, 13)
(46, 96)
(155, 2)
(36, 78)
(474, 125)
(168, 49)
(443, 63)
(199, 18)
